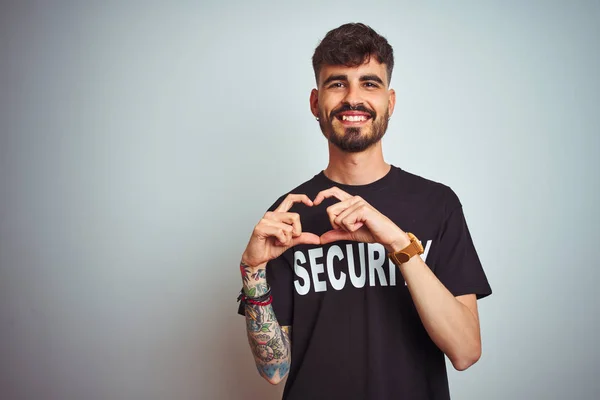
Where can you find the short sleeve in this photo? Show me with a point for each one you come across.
(458, 265)
(280, 278)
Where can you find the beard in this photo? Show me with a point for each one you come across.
(354, 139)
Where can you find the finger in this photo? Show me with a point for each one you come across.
(335, 235)
(331, 192)
(352, 218)
(289, 218)
(335, 210)
(306, 238)
(291, 199)
(287, 228)
(282, 232)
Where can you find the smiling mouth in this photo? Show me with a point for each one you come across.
(353, 118)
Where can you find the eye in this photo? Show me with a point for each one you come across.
(371, 85)
(336, 85)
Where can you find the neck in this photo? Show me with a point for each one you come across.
(356, 168)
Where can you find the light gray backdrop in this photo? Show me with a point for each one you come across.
(140, 144)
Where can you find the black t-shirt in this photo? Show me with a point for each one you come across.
(355, 331)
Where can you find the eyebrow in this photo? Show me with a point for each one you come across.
(373, 78)
(364, 78)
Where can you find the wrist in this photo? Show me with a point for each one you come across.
(248, 271)
(248, 262)
(399, 243)
(405, 252)
(254, 280)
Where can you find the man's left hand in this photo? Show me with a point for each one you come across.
(355, 219)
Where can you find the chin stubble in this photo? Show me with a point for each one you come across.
(353, 141)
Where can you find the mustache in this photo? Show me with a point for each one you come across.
(348, 107)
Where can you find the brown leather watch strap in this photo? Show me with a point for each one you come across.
(402, 256)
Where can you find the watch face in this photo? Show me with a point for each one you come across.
(419, 246)
(416, 242)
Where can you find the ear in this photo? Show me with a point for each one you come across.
(314, 102)
(391, 102)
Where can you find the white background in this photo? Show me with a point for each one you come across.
(140, 144)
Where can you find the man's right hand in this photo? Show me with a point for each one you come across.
(276, 232)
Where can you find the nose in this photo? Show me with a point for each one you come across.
(353, 96)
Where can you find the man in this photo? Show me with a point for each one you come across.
(358, 282)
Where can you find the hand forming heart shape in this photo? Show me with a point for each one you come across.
(352, 218)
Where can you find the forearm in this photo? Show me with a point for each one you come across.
(268, 341)
(452, 326)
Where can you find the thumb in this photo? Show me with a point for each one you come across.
(334, 235)
(306, 238)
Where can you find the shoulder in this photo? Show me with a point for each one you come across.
(426, 189)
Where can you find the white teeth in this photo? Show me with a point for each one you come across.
(354, 118)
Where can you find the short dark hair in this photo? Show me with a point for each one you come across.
(351, 45)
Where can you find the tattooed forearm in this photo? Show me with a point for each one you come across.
(270, 343)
